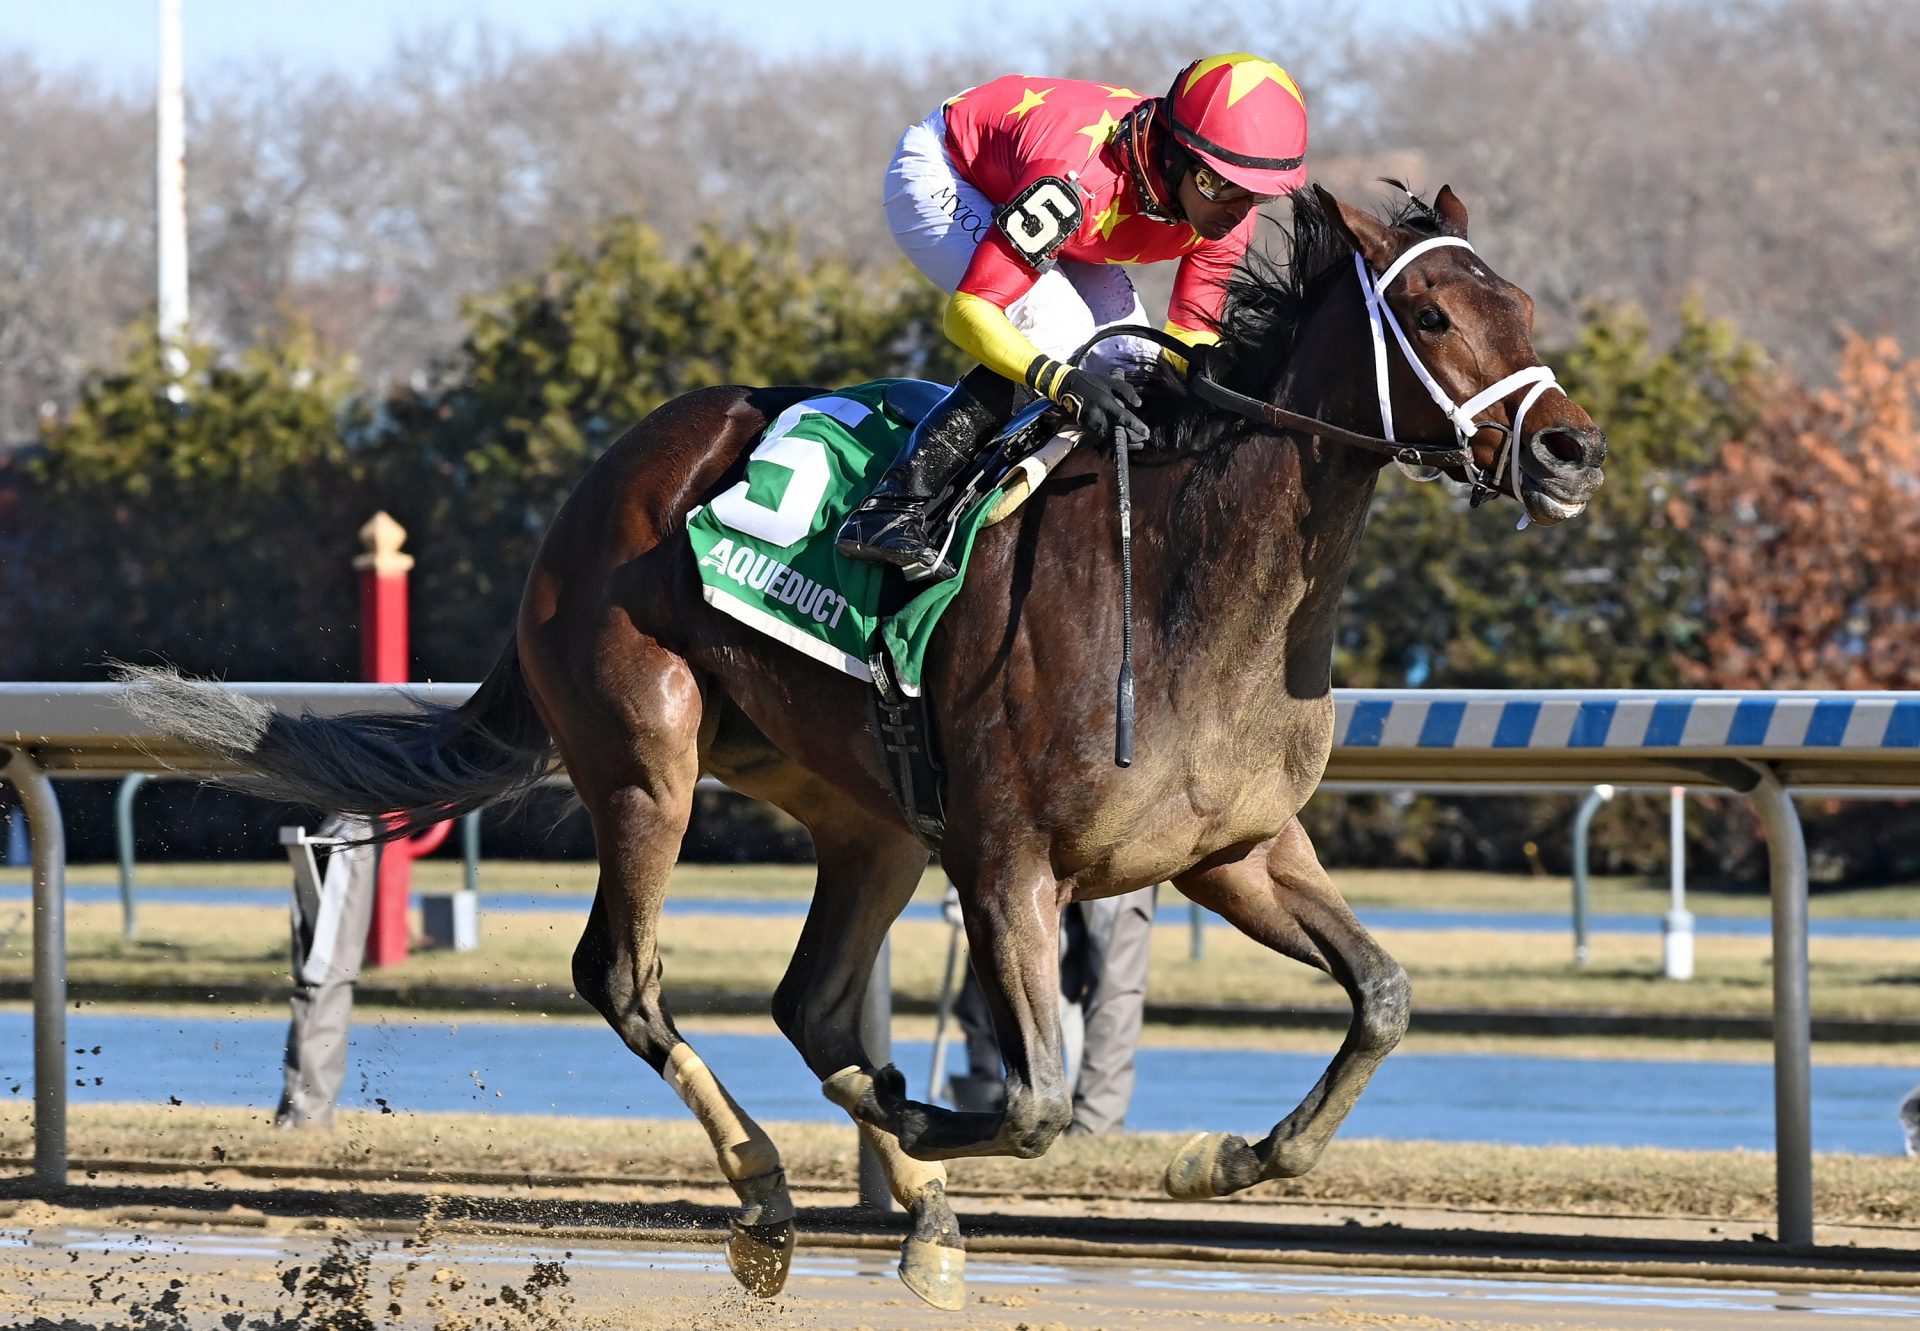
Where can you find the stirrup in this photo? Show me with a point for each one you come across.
(930, 568)
(908, 550)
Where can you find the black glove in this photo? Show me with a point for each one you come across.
(1103, 404)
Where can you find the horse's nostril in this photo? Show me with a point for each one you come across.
(1565, 445)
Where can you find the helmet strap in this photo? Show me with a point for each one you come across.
(1135, 145)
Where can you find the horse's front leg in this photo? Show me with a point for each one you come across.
(1279, 895)
(1012, 913)
(868, 872)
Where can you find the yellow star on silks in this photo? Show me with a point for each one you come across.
(1249, 72)
(1198, 239)
(1128, 93)
(1027, 103)
(1134, 259)
(1110, 217)
(1098, 132)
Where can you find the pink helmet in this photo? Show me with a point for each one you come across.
(1244, 118)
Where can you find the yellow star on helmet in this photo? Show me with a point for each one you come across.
(1110, 217)
(1249, 72)
(1098, 132)
(1027, 103)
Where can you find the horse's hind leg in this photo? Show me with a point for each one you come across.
(1280, 896)
(637, 779)
(867, 873)
(608, 972)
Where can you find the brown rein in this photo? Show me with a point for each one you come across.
(1211, 391)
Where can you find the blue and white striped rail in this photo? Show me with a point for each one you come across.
(1462, 735)
(1833, 739)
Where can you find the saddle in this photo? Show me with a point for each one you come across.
(1031, 443)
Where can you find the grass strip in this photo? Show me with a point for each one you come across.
(744, 957)
(1380, 889)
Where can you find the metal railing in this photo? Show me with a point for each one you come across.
(1755, 744)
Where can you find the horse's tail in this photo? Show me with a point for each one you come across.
(418, 766)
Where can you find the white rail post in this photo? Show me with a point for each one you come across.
(1582, 950)
(1676, 930)
(48, 837)
(1792, 1009)
(123, 834)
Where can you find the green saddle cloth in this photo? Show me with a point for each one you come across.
(765, 547)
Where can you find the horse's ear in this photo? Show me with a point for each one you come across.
(1451, 212)
(1361, 229)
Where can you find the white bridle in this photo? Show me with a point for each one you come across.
(1537, 379)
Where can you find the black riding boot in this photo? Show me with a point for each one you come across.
(890, 527)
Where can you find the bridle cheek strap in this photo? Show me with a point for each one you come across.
(1379, 314)
(1380, 317)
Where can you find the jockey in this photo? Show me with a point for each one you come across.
(1020, 198)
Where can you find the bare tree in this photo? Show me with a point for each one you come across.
(76, 234)
(1764, 153)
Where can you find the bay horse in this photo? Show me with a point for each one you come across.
(1246, 534)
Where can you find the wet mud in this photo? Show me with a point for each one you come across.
(157, 1281)
(58, 1273)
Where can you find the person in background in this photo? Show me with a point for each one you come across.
(1105, 947)
(1113, 1004)
(329, 943)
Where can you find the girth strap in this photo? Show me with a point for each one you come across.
(906, 742)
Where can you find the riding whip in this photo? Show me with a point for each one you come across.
(1123, 699)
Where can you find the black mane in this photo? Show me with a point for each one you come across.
(1269, 298)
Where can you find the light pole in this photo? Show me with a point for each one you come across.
(171, 195)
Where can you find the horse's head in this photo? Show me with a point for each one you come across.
(1457, 340)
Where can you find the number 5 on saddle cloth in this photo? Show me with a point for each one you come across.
(765, 553)
(764, 546)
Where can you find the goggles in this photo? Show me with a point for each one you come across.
(1215, 189)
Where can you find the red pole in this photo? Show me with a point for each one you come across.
(384, 660)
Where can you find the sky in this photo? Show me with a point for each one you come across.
(114, 39)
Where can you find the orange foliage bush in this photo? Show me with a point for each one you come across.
(1811, 532)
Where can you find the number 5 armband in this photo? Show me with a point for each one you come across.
(1040, 219)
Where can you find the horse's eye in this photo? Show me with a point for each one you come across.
(1431, 320)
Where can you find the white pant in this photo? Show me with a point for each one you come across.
(938, 219)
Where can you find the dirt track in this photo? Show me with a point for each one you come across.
(222, 1250)
(102, 1280)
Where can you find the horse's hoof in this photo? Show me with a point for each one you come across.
(1211, 1164)
(937, 1274)
(759, 1255)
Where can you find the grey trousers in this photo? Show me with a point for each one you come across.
(316, 1057)
(1104, 950)
(1119, 947)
